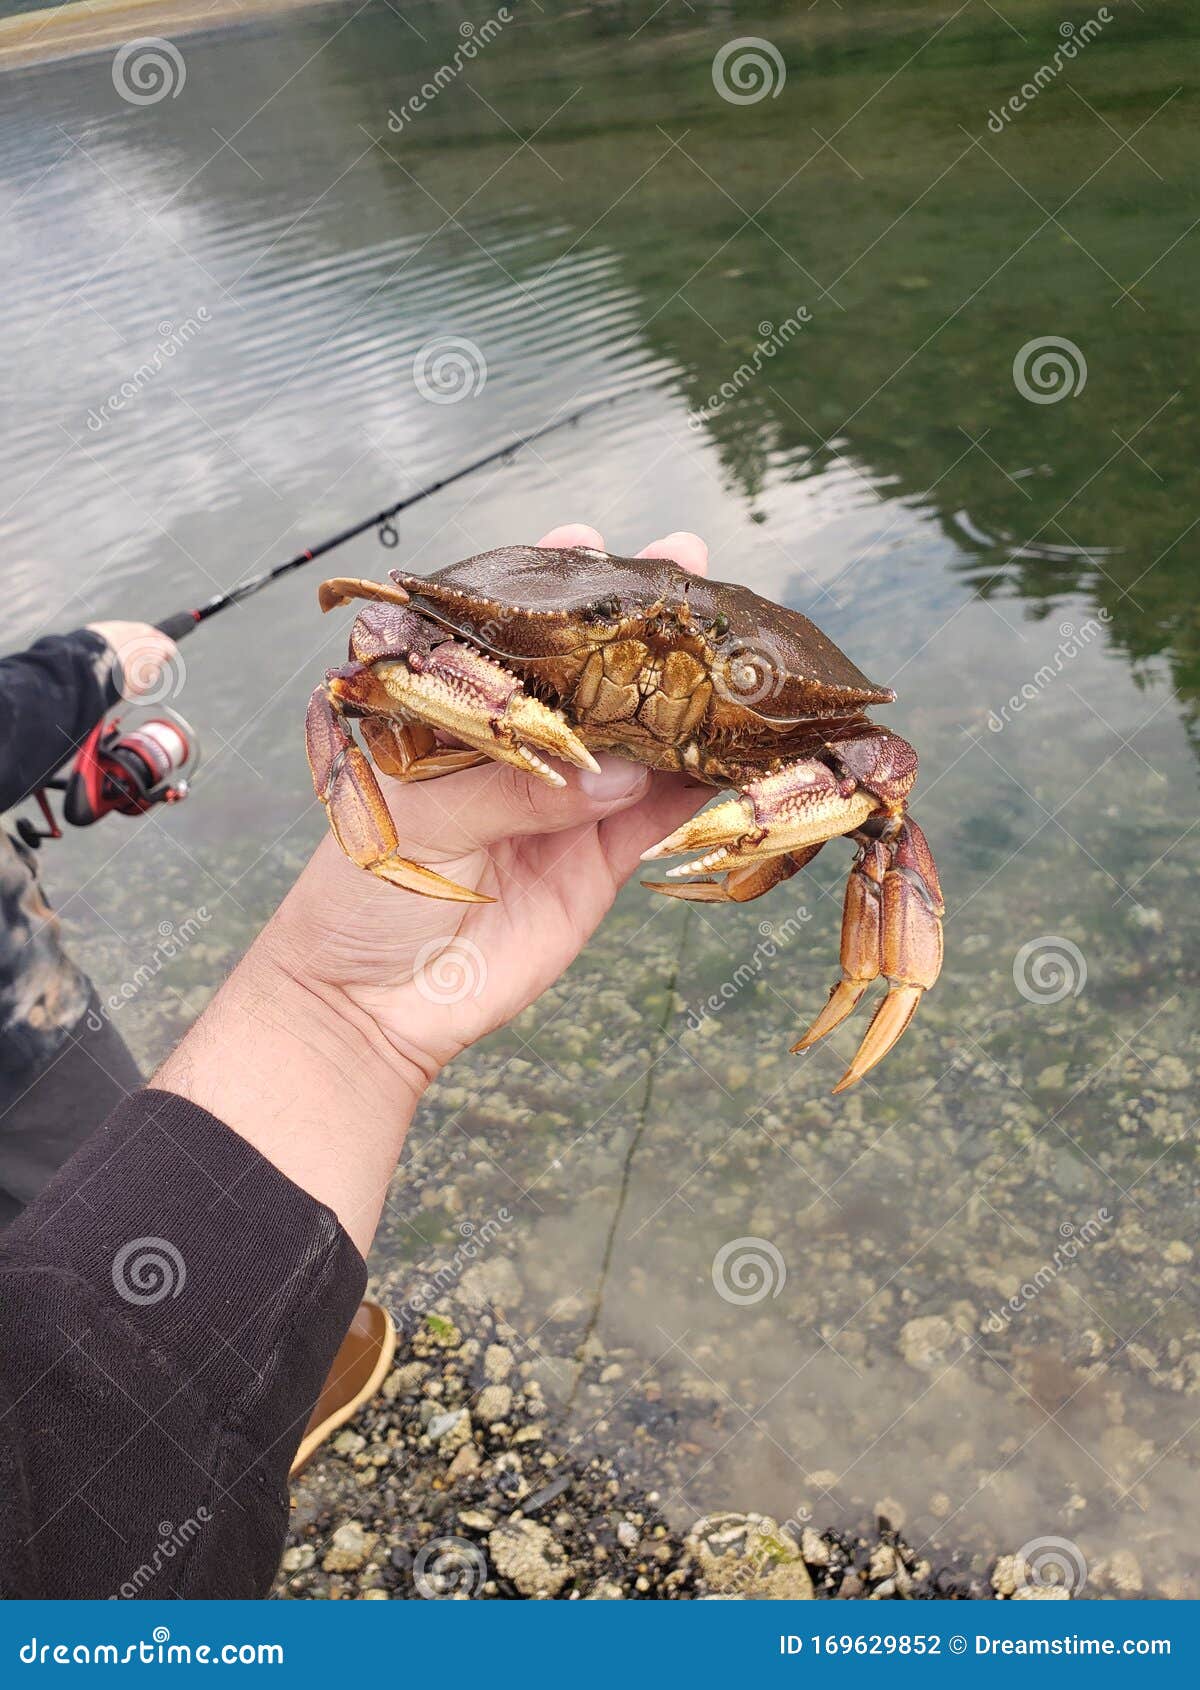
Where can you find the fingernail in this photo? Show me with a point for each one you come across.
(616, 779)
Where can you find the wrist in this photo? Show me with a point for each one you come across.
(306, 1079)
(338, 1029)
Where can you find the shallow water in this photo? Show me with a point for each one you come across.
(585, 209)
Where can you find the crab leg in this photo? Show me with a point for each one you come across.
(891, 922)
(361, 822)
(862, 915)
(457, 689)
(910, 947)
(410, 751)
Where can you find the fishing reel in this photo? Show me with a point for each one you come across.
(120, 768)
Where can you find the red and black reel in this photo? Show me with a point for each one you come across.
(123, 770)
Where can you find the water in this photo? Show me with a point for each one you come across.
(584, 208)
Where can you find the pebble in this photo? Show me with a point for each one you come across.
(925, 1343)
(497, 1363)
(530, 1557)
(349, 1549)
(494, 1403)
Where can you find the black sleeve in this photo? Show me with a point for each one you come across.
(51, 696)
(169, 1308)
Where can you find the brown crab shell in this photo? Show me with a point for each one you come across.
(546, 609)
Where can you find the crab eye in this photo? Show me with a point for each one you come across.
(605, 609)
(721, 624)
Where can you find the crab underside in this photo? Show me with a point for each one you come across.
(653, 678)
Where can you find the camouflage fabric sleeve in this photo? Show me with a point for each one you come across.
(51, 696)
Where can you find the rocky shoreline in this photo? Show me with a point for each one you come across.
(458, 1482)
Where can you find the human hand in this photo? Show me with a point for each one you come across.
(319, 1045)
(433, 977)
(140, 655)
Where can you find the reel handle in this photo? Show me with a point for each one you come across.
(176, 626)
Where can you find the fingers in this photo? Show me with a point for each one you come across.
(473, 810)
(573, 534)
(682, 547)
(140, 655)
(686, 549)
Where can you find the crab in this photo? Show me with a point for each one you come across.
(526, 653)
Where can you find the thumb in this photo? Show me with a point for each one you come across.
(477, 808)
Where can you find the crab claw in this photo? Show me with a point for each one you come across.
(458, 690)
(891, 924)
(358, 816)
(803, 804)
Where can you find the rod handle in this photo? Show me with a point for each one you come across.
(176, 626)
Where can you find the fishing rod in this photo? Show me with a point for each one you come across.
(182, 622)
(128, 769)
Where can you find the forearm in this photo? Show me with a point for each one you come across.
(296, 1070)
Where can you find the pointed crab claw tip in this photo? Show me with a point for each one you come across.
(549, 731)
(889, 1021)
